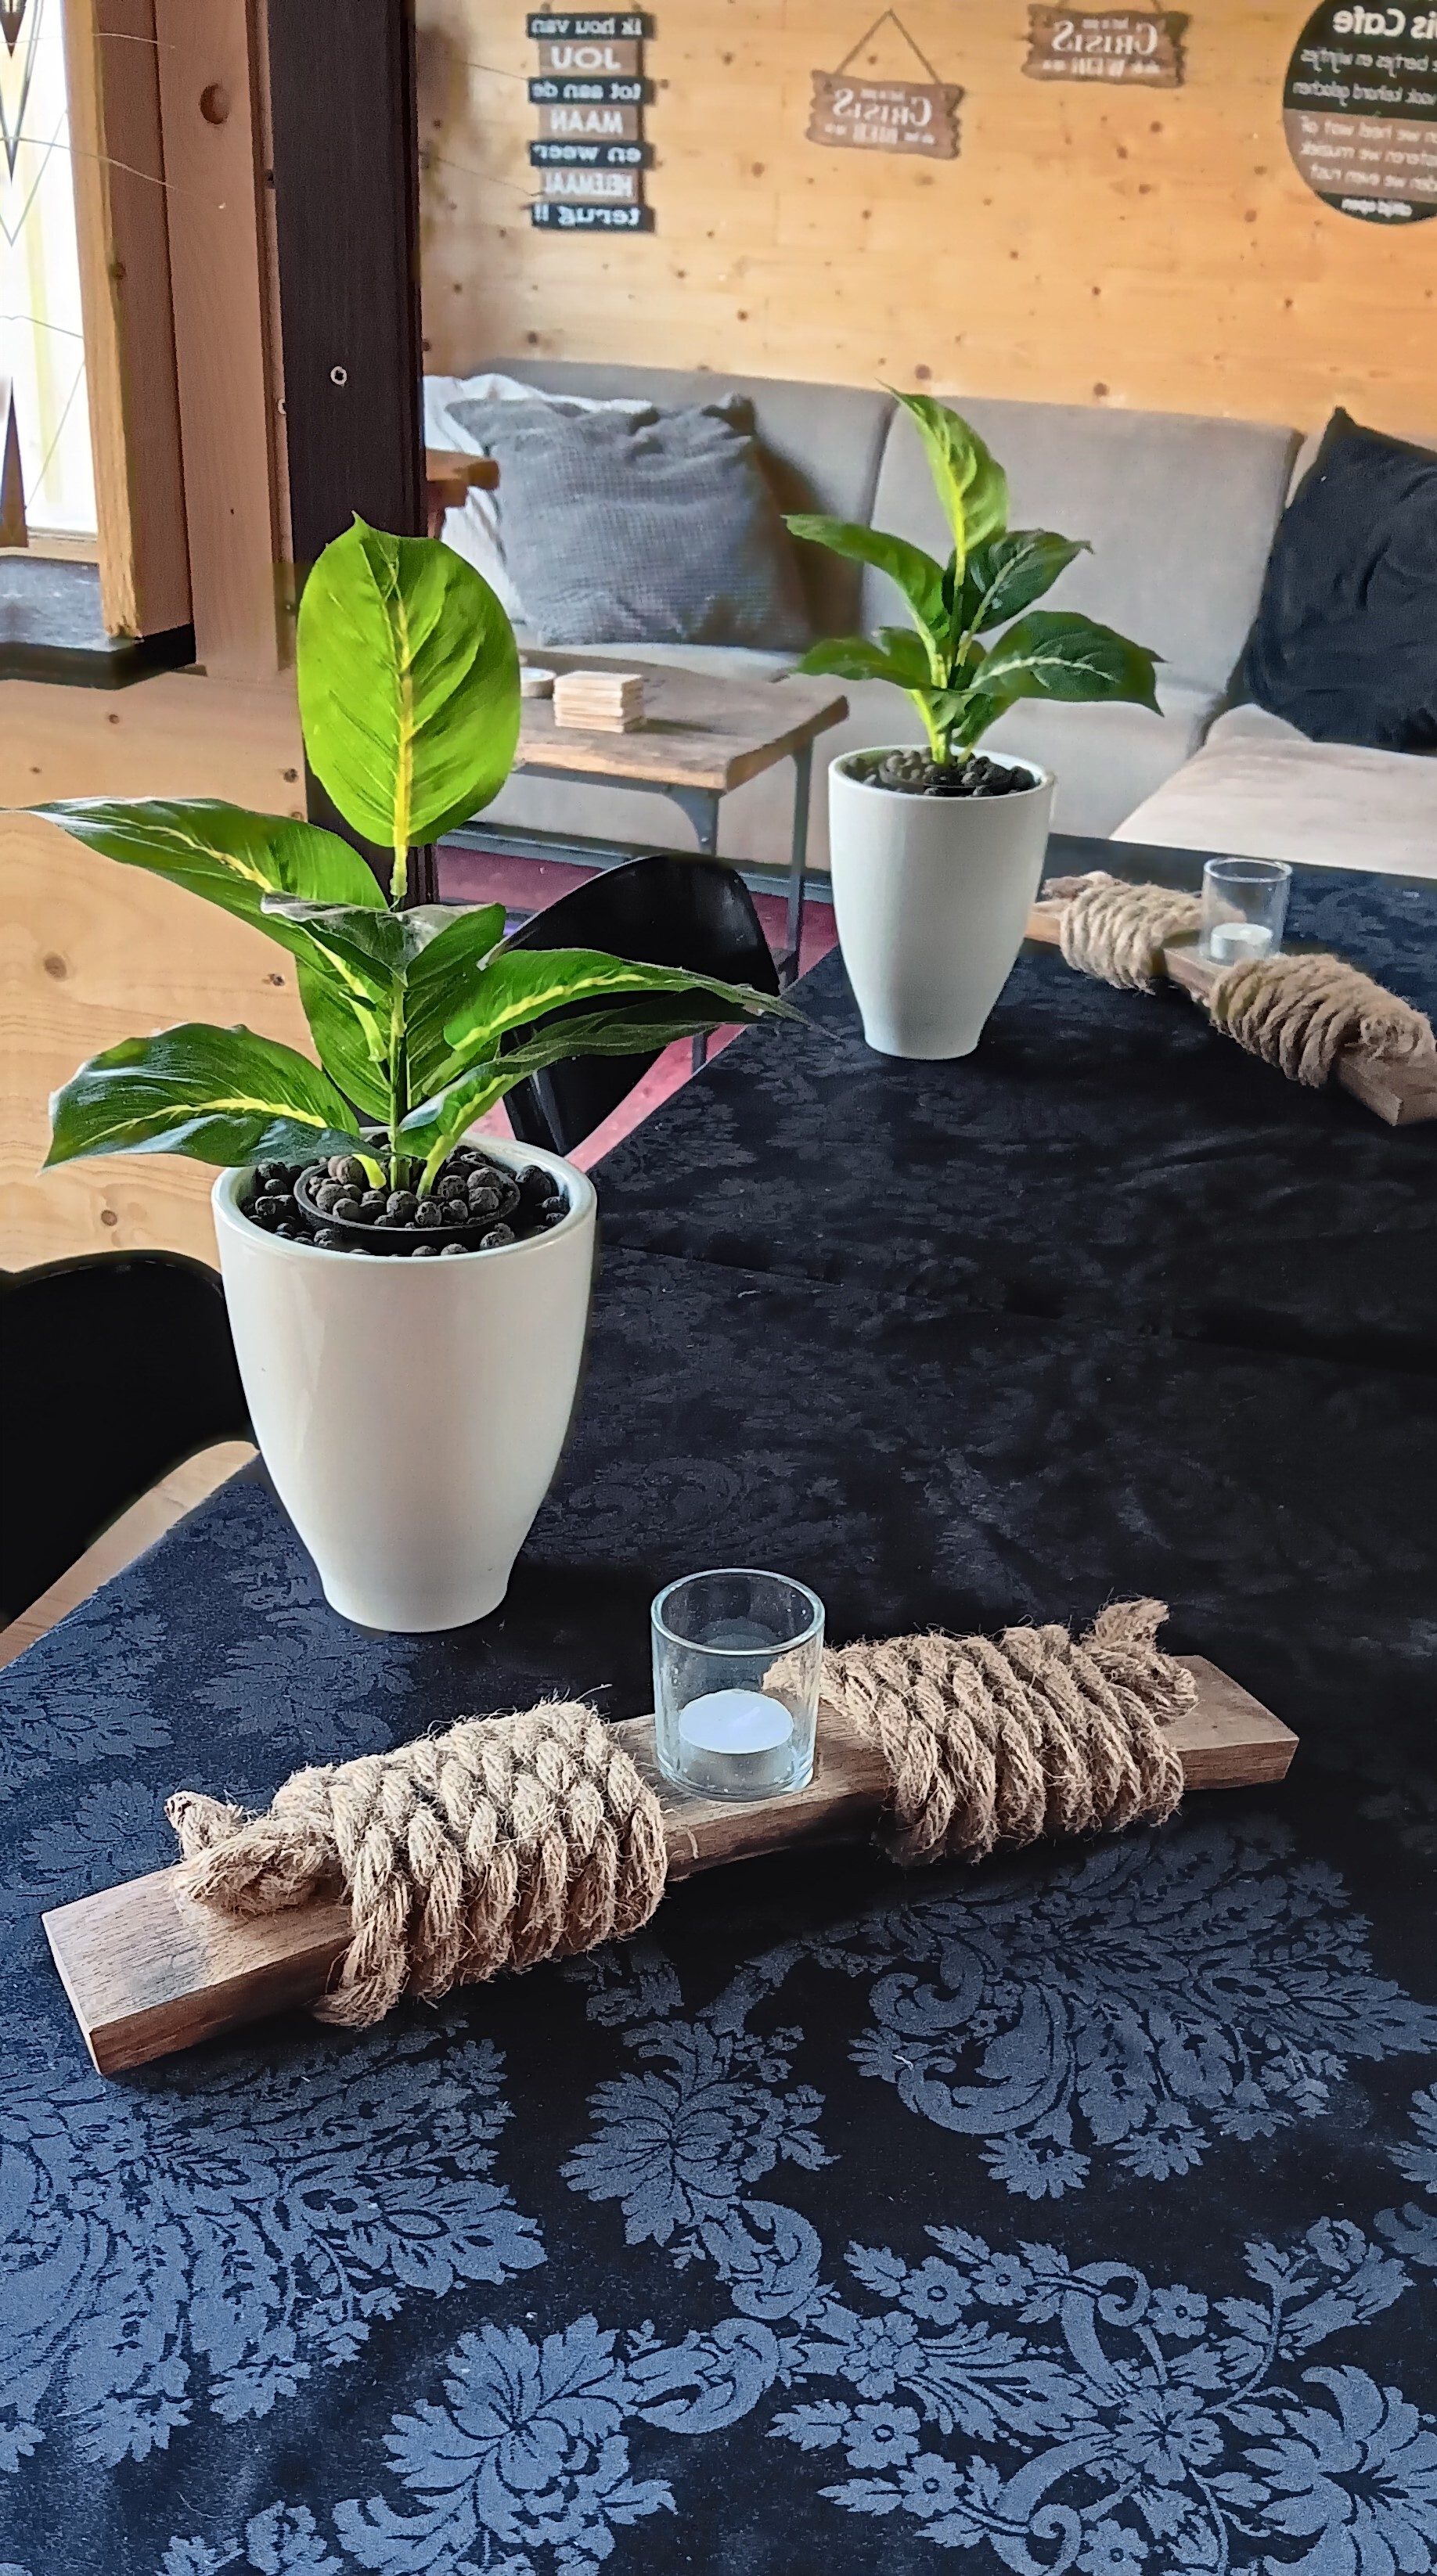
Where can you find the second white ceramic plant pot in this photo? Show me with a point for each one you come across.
(931, 898)
(412, 1413)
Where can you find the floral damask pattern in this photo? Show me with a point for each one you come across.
(51, 1715)
(216, 2241)
(1081, 2416)
(999, 2399)
(299, 1673)
(1135, 2004)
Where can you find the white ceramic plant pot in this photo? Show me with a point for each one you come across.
(931, 897)
(412, 1413)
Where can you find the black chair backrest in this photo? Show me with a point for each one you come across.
(115, 1367)
(664, 912)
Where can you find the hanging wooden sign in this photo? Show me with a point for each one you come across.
(1133, 45)
(589, 26)
(587, 93)
(548, 216)
(1359, 109)
(590, 153)
(851, 111)
(588, 156)
(593, 187)
(589, 124)
(609, 57)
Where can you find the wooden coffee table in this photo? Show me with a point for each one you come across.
(700, 739)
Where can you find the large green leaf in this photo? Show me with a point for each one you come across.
(408, 685)
(917, 575)
(222, 1095)
(855, 657)
(352, 1040)
(1054, 653)
(232, 858)
(1008, 573)
(523, 984)
(440, 982)
(436, 1125)
(971, 486)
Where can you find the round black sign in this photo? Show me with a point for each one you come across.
(1360, 109)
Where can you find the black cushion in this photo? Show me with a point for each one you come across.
(653, 527)
(1345, 644)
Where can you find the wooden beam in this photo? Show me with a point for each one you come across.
(208, 97)
(1404, 1095)
(346, 209)
(120, 217)
(149, 1971)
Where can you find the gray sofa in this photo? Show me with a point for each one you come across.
(1180, 513)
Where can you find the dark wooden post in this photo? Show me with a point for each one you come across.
(346, 180)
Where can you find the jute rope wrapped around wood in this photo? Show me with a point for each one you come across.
(1040, 1733)
(514, 1839)
(506, 1841)
(1297, 1013)
(1116, 931)
(1300, 1013)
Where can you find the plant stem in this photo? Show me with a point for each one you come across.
(399, 875)
(398, 1084)
(937, 739)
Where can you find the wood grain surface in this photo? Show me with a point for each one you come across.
(1404, 1095)
(1094, 242)
(118, 161)
(148, 1971)
(220, 284)
(696, 732)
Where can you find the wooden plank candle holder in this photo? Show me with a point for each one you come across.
(149, 1970)
(1402, 1094)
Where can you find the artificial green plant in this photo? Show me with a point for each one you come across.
(409, 700)
(993, 574)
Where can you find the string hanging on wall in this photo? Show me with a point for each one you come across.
(591, 93)
(888, 115)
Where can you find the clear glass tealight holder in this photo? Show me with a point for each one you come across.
(737, 1655)
(1244, 909)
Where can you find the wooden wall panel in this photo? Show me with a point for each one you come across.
(220, 276)
(1091, 244)
(118, 164)
(92, 952)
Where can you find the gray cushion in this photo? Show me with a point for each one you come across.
(1266, 792)
(637, 527)
(820, 444)
(1179, 512)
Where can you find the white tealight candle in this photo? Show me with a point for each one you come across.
(736, 1743)
(1228, 942)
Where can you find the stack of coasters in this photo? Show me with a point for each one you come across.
(599, 701)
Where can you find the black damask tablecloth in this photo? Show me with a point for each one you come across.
(1102, 1156)
(1078, 2212)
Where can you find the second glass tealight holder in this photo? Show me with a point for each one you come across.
(1244, 909)
(737, 1655)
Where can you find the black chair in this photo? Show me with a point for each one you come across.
(115, 1368)
(665, 912)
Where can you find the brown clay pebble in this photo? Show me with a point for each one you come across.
(425, 1252)
(428, 1212)
(497, 1235)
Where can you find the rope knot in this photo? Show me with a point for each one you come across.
(503, 1842)
(1040, 1733)
(1118, 931)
